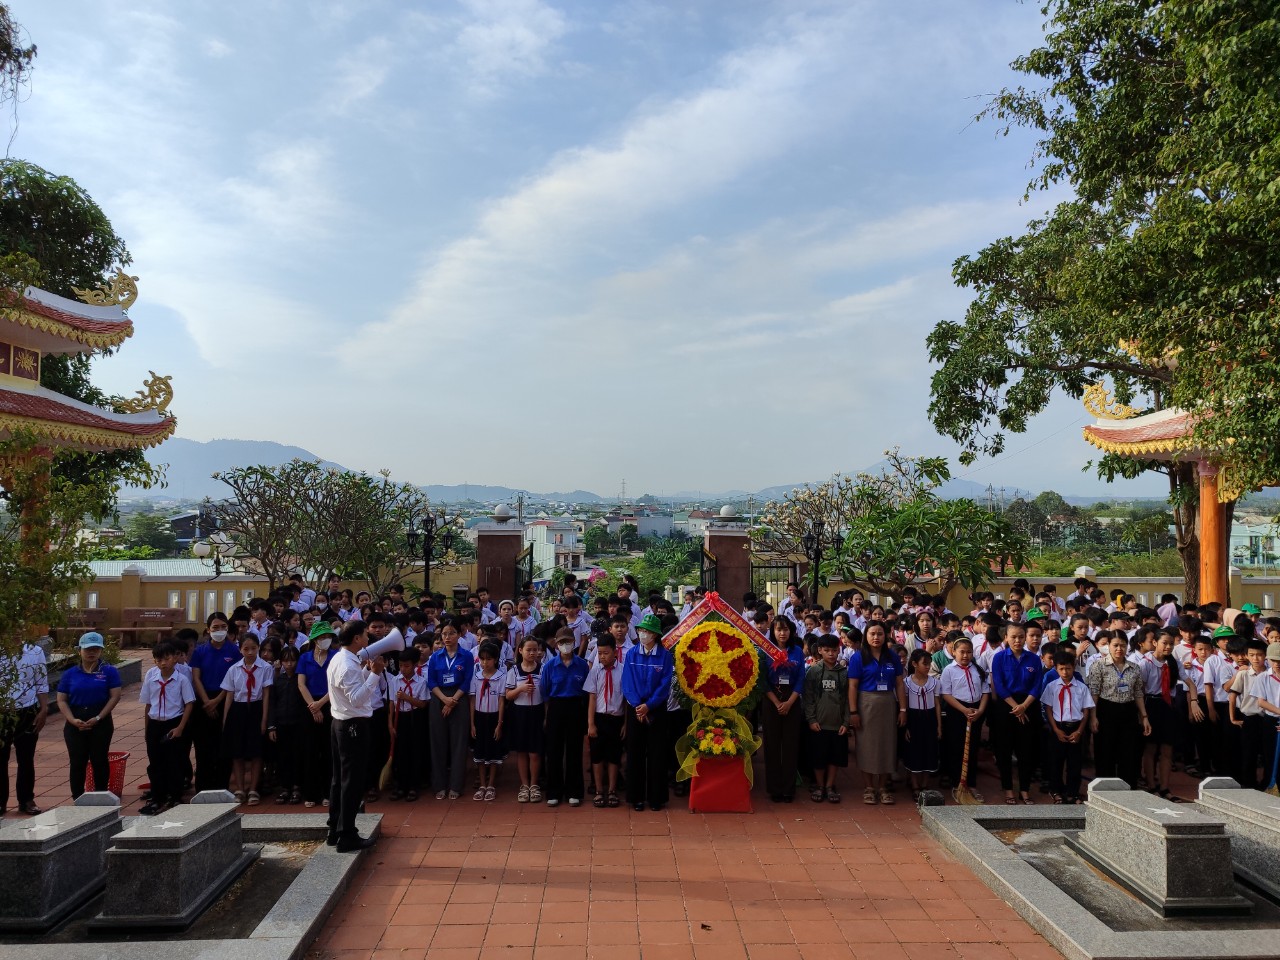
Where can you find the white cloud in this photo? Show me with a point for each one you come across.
(217, 49)
(507, 40)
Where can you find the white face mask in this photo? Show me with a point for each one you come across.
(322, 604)
(565, 649)
(217, 636)
(323, 643)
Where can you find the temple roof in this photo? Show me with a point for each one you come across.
(77, 425)
(1162, 435)
(53, 324)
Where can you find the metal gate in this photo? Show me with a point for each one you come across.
(769, 579)
(707, 569)
(524, 569)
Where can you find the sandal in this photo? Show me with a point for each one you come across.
(479, 794)
(1010, 801)
(309, 803)
(887, 798)
(490, 793)
(817, 794)
(1027, 801)
(869, 796)
(598, 801)
(283, 798)
(613, 800)
(1057, 800)
(833, 795)
(397, 794)
(535, 794)
(410, 796)
(453, 794)
(523, 795)
(254, 798)
(439, 794)
(240, 796)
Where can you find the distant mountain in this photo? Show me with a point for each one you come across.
(192, 463)
(483, 493)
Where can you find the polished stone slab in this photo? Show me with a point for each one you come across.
(53, 863)
(1253, 823)
(163, 871)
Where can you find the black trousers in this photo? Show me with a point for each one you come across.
(288, 760)
(1064, 763)
(1205, 735)
(1258, 745)
(449, 736)
(781, 747)
(85, 747)
(566, 729)
(19, 735)
(1117, 749)
(953, 730)
(349, 750)
(213, 768)
(647, 745)
(165, 767)
(1010, 738)
(1229, 744)
(406, 765)
(317, 756)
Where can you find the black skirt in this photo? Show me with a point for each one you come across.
(1160, 715)
(523, 727)
(242, 734)
(920, 751)
(488, 748)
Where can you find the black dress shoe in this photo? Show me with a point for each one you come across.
(331, 840)
(658, 807)
(356, 843)
(30, 809)
(639, 808)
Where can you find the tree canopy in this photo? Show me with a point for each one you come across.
(1159, 272)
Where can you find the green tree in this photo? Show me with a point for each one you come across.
(1162, 120)
(628, 536)
(596, 540)
(152, 531)
(1027, 518)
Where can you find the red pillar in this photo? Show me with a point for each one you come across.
(1214, 582)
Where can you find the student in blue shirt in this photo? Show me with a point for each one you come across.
(209, 664)
(646, 686)
(87, 693)
(782, 717)
(877, 708)
(449, 682)
(562, 680)
(313, 686)
(1015, 713)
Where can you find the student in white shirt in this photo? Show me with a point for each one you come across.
(605, 720)
(244, 718)
(1068, 705)
(965, 690)
(168, 696)
(28, 710)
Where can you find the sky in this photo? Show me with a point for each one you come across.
(550, 245)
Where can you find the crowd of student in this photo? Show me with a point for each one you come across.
(253, 703)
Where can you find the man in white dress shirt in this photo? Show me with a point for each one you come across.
(353, 695)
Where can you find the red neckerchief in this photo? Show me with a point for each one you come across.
(1064, 711)
(608, 687)
(1165, 692)
(248, 681)
(163, 684)
(969, 680)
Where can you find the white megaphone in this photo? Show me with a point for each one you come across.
(393, 641)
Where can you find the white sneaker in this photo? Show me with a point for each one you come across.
(574, 801)
(553, 802)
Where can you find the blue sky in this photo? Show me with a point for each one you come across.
(549, 245)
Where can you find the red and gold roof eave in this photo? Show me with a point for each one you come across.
(69, 424)
(74, 327)
(1163, 435)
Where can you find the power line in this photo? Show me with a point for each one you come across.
(1016, 453)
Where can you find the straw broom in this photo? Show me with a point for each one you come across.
(961, 793)
(385, 776)
(1275, 768)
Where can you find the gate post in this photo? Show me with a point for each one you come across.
(726, 538)
(498, 543)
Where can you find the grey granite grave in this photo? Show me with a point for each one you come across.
(53, 863)
(164, 870)
(1253, 823)
(1175, 858)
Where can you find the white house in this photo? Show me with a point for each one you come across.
(555, 544)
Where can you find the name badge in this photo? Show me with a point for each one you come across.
(1122, 687)
(882, 687)
(449, 679)
(784, 681)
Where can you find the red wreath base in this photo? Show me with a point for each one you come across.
(720, 786)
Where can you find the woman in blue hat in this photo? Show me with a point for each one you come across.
(87, 693)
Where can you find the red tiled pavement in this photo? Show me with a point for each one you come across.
(469, 880)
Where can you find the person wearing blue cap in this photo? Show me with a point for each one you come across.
(87, 693)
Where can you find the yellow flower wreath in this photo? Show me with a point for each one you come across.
(716, 664)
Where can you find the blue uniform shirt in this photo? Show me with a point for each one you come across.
(315, 675)
(89, 690)
(875, 675)
(1015, 676)
(561, 680)
(786, 679)
(646, 678)
(447, 671)
(214, 662)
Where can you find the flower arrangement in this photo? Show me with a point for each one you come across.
(716, 664)
(716, 739)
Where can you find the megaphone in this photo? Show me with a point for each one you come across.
(393, 641)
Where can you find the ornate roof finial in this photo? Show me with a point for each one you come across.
(1099, 401)
(157, 396)
(122, 291)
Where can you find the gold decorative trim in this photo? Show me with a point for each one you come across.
(1099, 401)
(1141, 447)
(157, 396)
(96, 341)
(87, 436)
(121, 291)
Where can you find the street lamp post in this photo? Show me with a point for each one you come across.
(206, 528)
(812, 543)
(425, 535)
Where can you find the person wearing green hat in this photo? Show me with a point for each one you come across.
(1252, 609)
(87, 693)
(313, 683)
(1035, 613)
(646, 685)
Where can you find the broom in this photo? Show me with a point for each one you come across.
(385, 776)
(1275, 768)
(961, 793)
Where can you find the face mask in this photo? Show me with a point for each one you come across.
(217, 636)
(566, 649)
(323, 643)
(322, 605)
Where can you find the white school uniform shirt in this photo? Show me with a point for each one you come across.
(487, 616)
(300, 605)
(166, 699)
(486, 698)
(522, 628)
(415, 686)
(1067, 703)
(1266, 686)
(469, 641)
(606, 685)
(922, 698)
(966, 684)
(593, 655)
(1153, 674)
(32, 676)
(259, 630)
(581, 626)
(237, 680)
(1193, 672)
(515, 678)
(684, 611)
(1219, 672)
